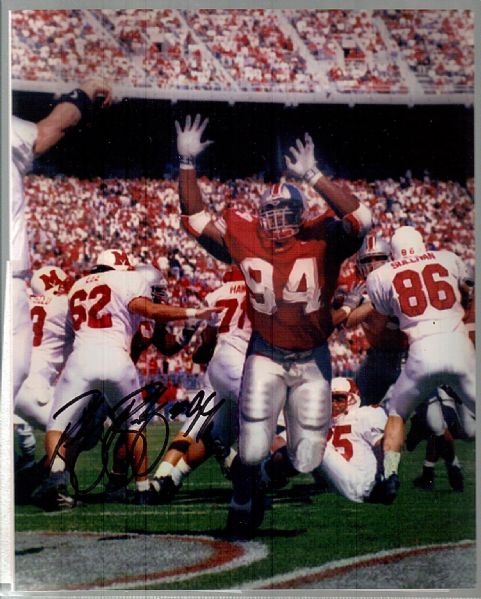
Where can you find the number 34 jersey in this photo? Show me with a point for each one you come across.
(421, 291)
(99, 308)
(290, 287)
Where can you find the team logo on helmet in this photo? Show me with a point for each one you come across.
(282, 211)
(345, 396)
(374, 252)
(406, 242)
(116, 259)
(49, 280)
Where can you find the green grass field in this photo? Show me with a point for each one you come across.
(304, 527)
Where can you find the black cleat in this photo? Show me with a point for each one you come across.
(455, 477)
(385, 490)
(116, 489)
(421, 482)
(163, 489)
(144, 497)
(52, 496)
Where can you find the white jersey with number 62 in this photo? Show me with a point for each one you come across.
(99, 308)
(421, 291)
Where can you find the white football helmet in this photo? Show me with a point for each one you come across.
(345, 396)
(116, 259)
(49, 280)
(374, 252)
(406, 242)
(156, 280)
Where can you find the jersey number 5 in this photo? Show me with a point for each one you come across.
(341, 443)
(102, 294)
(411, 291)
(302, 284)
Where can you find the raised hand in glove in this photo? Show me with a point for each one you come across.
(303, 162)
(355, 296)
(189, 144)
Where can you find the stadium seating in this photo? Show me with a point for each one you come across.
(72, 220)
(250, 50)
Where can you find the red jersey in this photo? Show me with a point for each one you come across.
(290, 287)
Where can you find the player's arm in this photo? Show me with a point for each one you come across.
(356, 216)
(67, 113)
(351, 302)
(163, 313)
(205, 351)
(139, 344)
(195, 218)
(168, 343)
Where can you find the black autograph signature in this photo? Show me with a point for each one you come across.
(78, 436)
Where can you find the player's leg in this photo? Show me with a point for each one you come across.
(121, 388)
(308, 411)
(348, 480)
(262, 397)
(21, 334)
(33, 401)
(26, 443)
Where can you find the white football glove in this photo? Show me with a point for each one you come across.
(354, 298)
(188, 139)
(304, 164)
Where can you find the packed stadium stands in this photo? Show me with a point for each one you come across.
(411, 53)
(72, 220)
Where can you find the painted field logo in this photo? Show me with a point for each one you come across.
(87, 560)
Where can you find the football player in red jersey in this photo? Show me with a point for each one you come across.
(291, 266)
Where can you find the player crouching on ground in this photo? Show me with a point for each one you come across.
(106, 307)
(422, 289)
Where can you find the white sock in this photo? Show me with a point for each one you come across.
(176, 475)
(58, 465)
(142, 485)
(230, 458)
(391, 462)
(164, 469)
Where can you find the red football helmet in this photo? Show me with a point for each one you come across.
(345, 396)
(282, 211)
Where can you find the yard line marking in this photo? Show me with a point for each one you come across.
(298, 577)
(80, 512)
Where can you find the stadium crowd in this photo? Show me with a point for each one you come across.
(294, 50)
(72, 220)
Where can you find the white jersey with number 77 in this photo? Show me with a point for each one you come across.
(422, 291)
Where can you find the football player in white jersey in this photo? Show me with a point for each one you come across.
(52, 343)
(422, 289)
(29, 140)
(354, 444)
(230, 335)
(106, 307)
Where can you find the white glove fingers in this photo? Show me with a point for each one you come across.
(188, 123)
(308, 139)
(294, 152)
(203, 126)
(289, 162)
(206, 143)
(178, 128)
(300, 145)
(196, 121)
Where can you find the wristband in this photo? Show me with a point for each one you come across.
(346, 309)
(186, 162)
(78, 98)
(312, 175)
(190, 312)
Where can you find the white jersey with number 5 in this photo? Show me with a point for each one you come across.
(422, 292)
(99, 308)
(349, 462)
